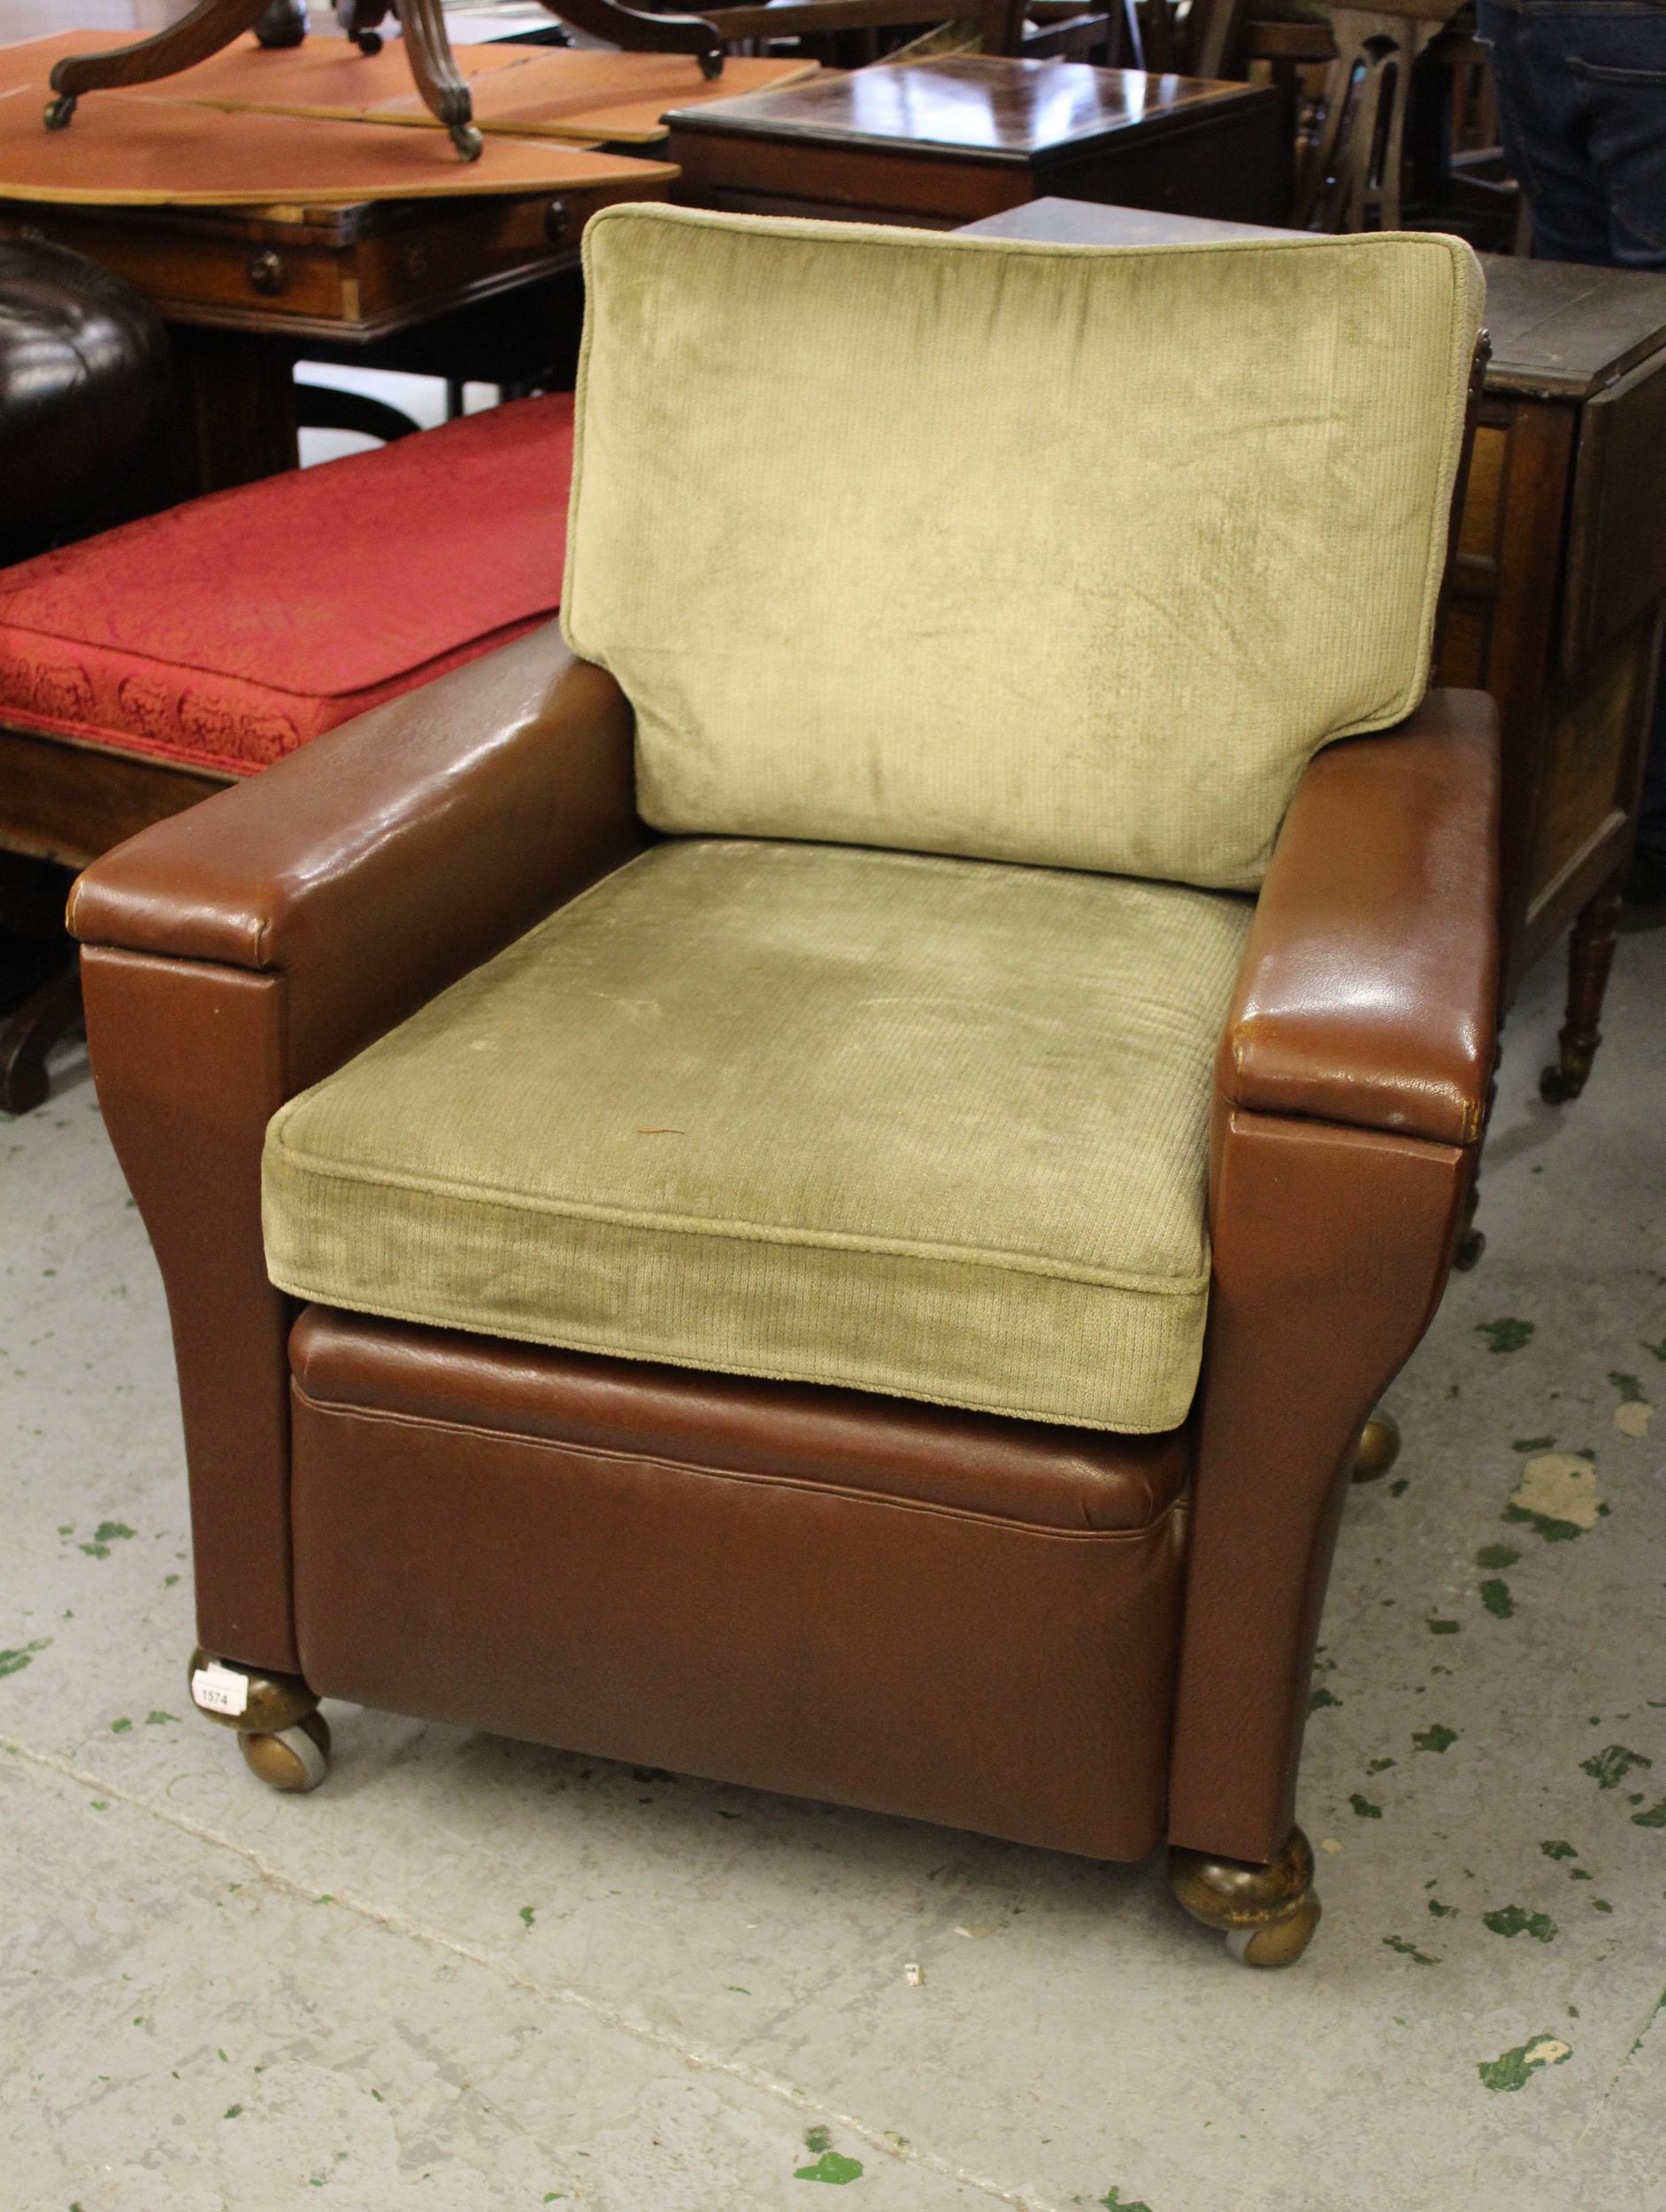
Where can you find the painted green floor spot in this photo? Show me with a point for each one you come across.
(1514, 1920)
(1322, 1696)
(14, 1662)
(1363, 1807)
(1554, 1531)
(1444, 1628)
(527, 1915)
(1513, 2068)
(1497, 1556)
(830, 2166)
(1532, 1443)
(1659, 1349)
(104, 1535)
(1506, 1336)
(1440, 1911)
(1496, 1598)
(1610, 1767)
(1632, 1391)
(1410, 1951)
(819, 2140)
(156, 1718)
(1377, 1766)
(1438, 1737)
(1655, 1817)
(120, 1727)
(1559, 1850)
(1114, 2200)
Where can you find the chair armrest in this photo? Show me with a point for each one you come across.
(1369, 990)
(392, 854)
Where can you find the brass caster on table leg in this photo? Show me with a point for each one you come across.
(1561, 1082)
(1267, 1914)
(1379, 1447)
(58, 111)
(467, 140)
(286, 1739)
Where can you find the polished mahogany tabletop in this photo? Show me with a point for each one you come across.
(969, 104)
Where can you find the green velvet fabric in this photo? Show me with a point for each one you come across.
(927, 1126)
(1062, 554)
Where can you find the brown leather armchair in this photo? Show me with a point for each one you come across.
(1059, 1630)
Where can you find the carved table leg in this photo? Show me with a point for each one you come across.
(1590, 956)
(28, 1034)
(439, 80)
(1267, 1913)
(209, 25)
(285, 1739)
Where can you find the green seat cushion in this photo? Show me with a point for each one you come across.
(1066, 555)
(933, 1127)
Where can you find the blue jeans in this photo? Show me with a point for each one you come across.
(1582, 107)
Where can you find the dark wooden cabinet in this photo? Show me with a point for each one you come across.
(938, 143)
(1555, 605)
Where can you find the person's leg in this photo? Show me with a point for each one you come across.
(1544, 130)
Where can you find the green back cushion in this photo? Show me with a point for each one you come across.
(1058, 554)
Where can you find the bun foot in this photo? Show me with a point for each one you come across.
(295, 1759)
(467, 140)
(1379, 1447)
(1267, 1914)
(285, 1739)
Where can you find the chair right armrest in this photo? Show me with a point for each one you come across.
(1369, 990)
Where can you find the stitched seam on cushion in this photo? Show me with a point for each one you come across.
(316, 1294)
(343, 1409)
(745, 1231)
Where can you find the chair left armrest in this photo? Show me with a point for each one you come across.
(1369, 990)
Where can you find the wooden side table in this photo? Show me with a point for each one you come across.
(937, 144)
(1555, 601)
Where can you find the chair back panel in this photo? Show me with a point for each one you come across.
(1060, 555)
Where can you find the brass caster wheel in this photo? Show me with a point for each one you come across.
(1266, 1913)
(1564, 1080)
(1280, 1944)
(467, 140)
(60, 110)
(1471, 1243)
(295, 1759)
(1379, 1447)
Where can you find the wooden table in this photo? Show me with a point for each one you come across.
(464, 286)
(1557, 586)
(936, 143)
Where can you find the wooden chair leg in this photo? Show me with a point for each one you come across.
(29, 1034)
(1589, 957)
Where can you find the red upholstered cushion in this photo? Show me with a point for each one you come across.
(227, 632)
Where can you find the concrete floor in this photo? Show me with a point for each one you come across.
(470, 1976)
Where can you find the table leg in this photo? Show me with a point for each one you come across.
(234, 418)
(1590, 956)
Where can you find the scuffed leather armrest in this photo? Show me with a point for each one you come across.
(1368, 994)
(394, 853)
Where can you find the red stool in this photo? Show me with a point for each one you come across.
(143, 669)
